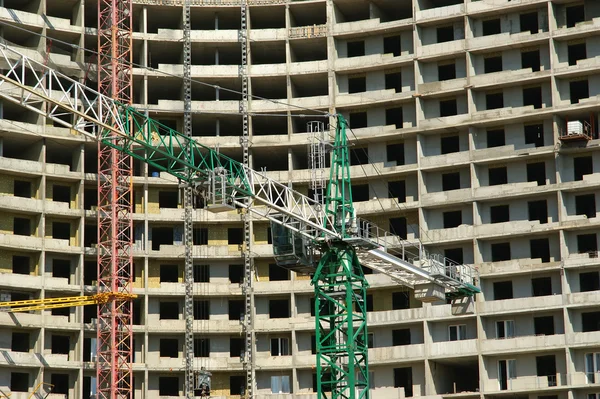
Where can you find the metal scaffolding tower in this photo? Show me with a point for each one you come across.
(115, 227)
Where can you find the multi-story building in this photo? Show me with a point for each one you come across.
(470, 126)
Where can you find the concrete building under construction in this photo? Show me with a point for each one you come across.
(474, 130)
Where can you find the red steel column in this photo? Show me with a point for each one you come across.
(115, 226)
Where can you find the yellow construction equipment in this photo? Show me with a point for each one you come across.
(62, 302)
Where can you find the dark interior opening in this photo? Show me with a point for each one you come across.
(503, 290)
(450, 181)
(169, 273)
(534, 134)
(538, 210)
(90, 235)
(448, 108)
(168, 386)
(398, 227)
(497, 176)
(391, 45)
(447, 72)
(491, 27)
(161, 236)
(445, 34)
(236, 385)
(543, 325)
(236, 347)
(359, 156)
(454, 256)
(236, 309)
(540, 249)
(499, 213)
(356, 49)
(236, 274)
(90, 272)
(397, 190)
(575, 14)
(494, 100)
(584, 205)
(20, 342)
(90, 312)
(60, 312)
(590, 321)
(401, 337)
(201, 273)
(501, 252)
(22, 227)
(531, 59)
(582, 166)
(393, 81)
(393, 116)
(60, 382)
(576, 52)
(61, 230)
(201, 309)
(400, 300)
(358, 120)
(452, 219)
(19, 382)
(495, 138)
(541, 286)
(357, 85)
(200, 236)
(449, 144)
(61, 268)
(529, 22)
(168, 199)
(492, 64)
(360, 192)
(277, 273)
(201, 347)
(403, 379)
(168, 310)
(22, 189)
(586, 243)
(235, 236)
(169, 347)
(578, 89)
(90, 198)
(87, 349)
(279, 308)
(546, 366)
(532, 96)
(61, 193)
(395, 152)
(589, 281)
(21, 264)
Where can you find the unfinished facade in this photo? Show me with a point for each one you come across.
(474, 127)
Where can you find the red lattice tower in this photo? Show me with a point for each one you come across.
(115, 226)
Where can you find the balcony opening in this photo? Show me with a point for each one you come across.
(90, 312)
(400, 300)
(393, 81)
(201, 273)
(22, 227)
(236, 274)
(497, 176)
(448, 107)
(280, 347)
(393, 116)
(357, 84)
(22, 189)
(449, 144)
(201, 347)
(90, 235)
(200, 236)
(584, 205)
(546, 367)
(277, 273)
(491, 27)
(445, 34)
(391, 45)
(235, 309)
(541, 286)
(90, 198)
(531, 59)
(168, 386)
(403, 379)
(582, 166)
(169, 310)
(534, 134)
(495, 138)
(201, 310)
(169, 347)
(538, 210)
(543, 325)
(452, 219)
(450, 181)
(359, 156)
(20, 342)
(360, 192)
(576, 52)
(169, 273)
(237, 385)
(60, 312)
(279, 309)
(236, 347)
(235, 236)
(401, 337)
(60, 344)
(529, 22)
(90, 272)
(447, 71)
(61, 383)
(61, 268)
(355, 49)
(168, 199)
(575, 14)
(61, 231)
(532, 96)
(590, 321)
(492, 64)
(503, 290)
(21, 264)
(395, 153)
(398, 227)
(368, 304)
(454, 255)
(540, 249)
(501, 252)
(578, 89)
(61, 193)
(494, 101)
(589, 281)
(586, 243)
(19, 382)
(499, 214)
(397, 190)
(358, 120)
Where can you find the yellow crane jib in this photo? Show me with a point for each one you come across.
(63, 302)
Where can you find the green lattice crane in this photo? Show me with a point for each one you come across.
(327, 240)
